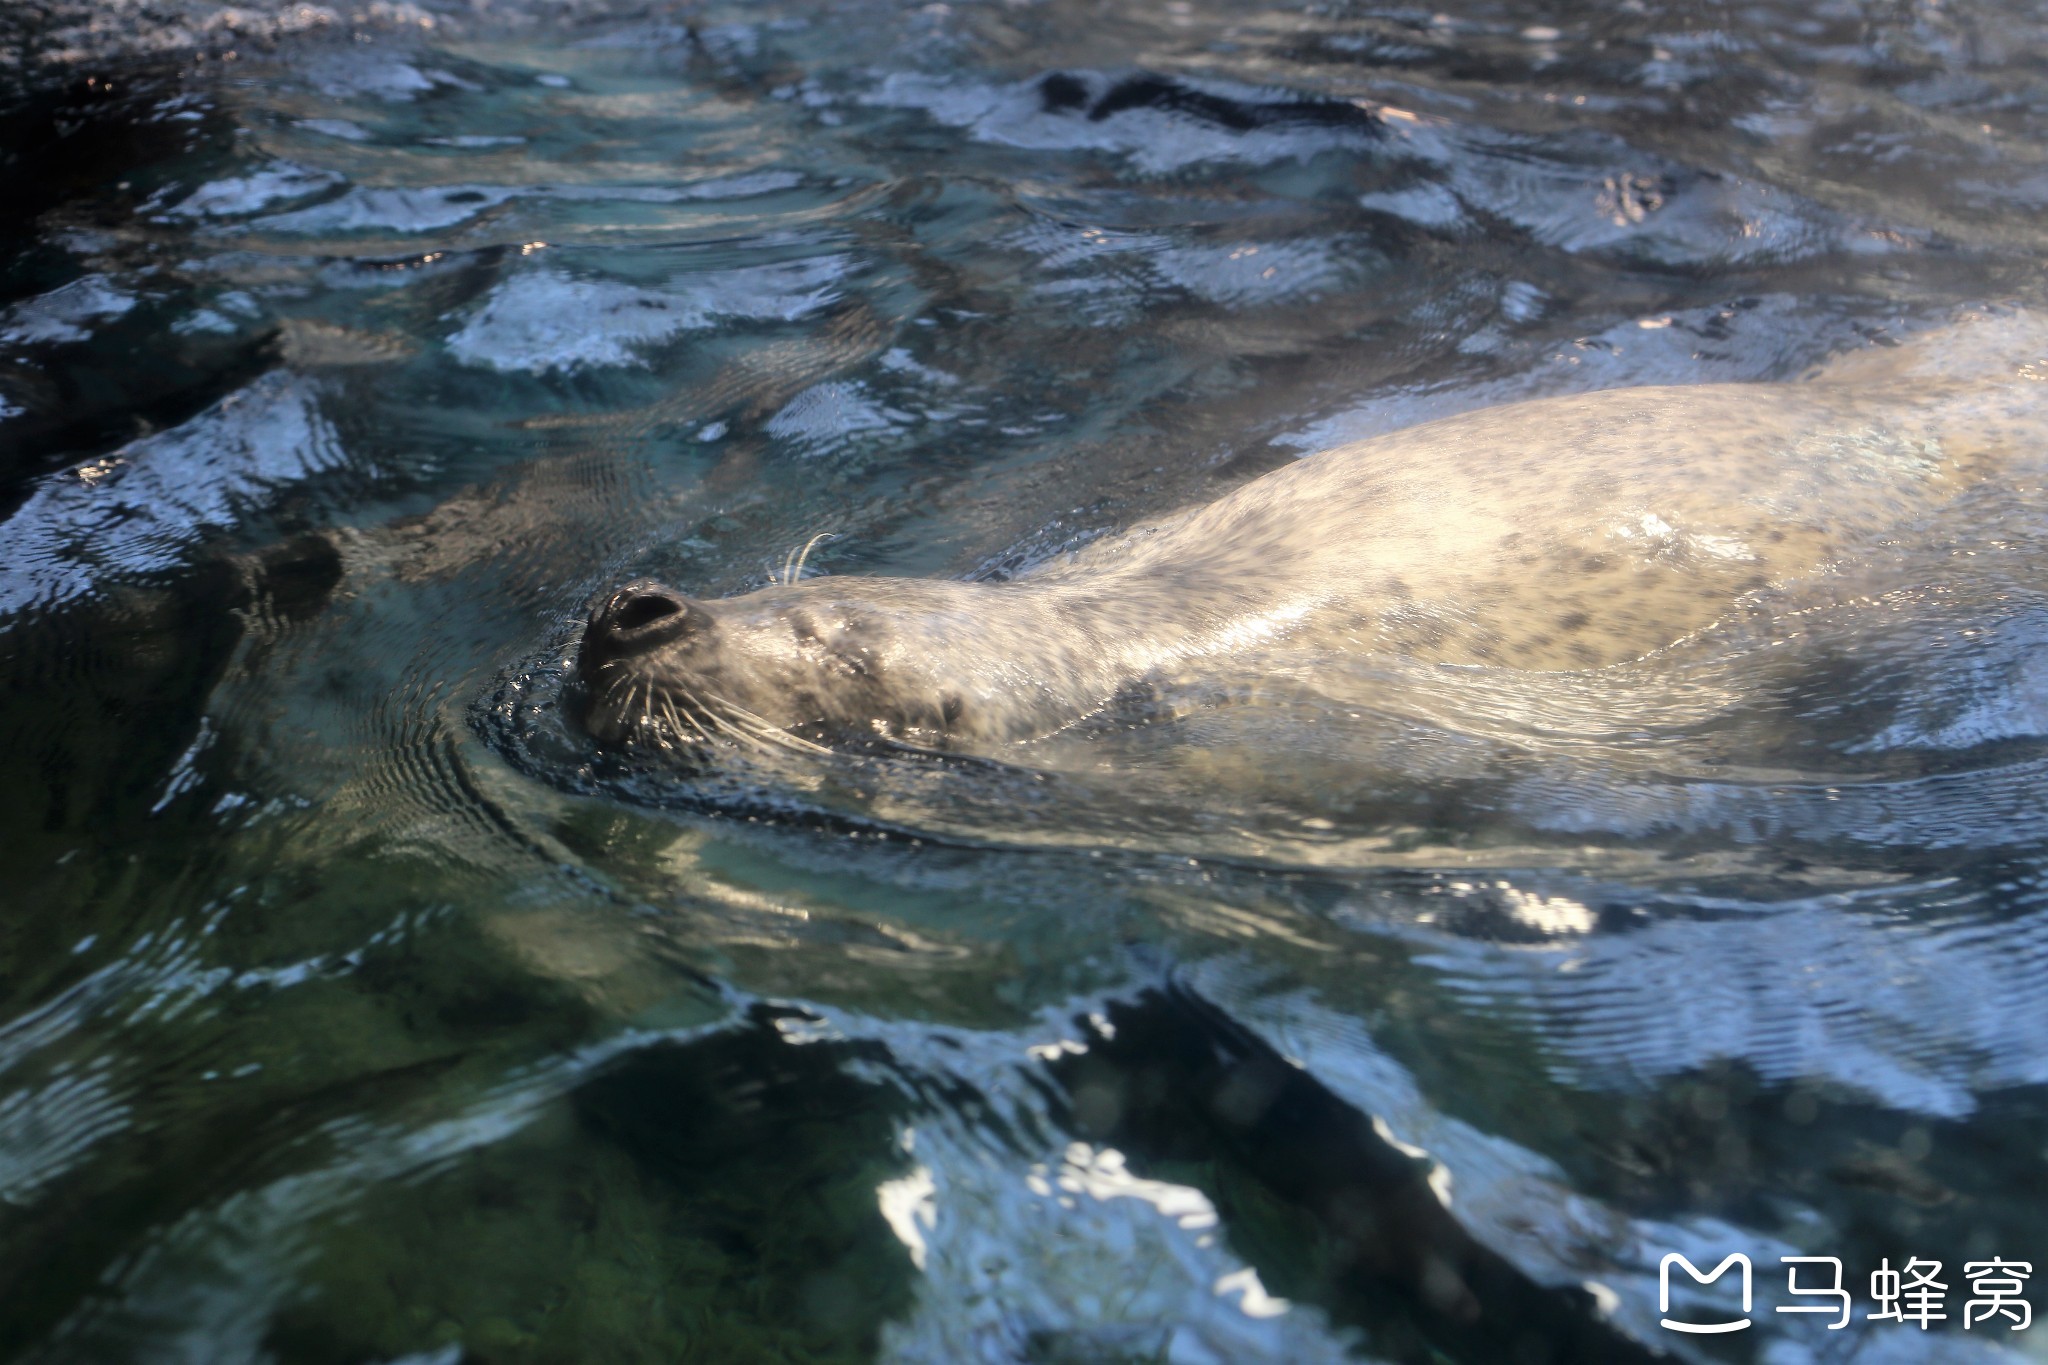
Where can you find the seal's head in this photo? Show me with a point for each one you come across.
(815, 662)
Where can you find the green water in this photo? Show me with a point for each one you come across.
(354, 1007)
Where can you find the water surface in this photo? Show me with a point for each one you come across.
(353, 1007)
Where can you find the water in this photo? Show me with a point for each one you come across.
(354, 1008)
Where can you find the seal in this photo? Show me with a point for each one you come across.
(1562, 533)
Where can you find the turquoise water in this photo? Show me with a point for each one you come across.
(355, 1007)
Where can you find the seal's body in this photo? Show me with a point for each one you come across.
(1563, 533)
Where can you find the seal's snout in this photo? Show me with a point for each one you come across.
(639, 617)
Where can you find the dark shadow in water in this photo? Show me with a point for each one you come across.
(1061, 91)
(122, 385)
(100, 701)
(712, 1201)
(1328, 1209)
(87, 153)
(63, 144)
(776, 1150)
(1725, 1143)
(59, 1257)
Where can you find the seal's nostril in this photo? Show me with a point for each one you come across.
(643, 609)
(642, 616)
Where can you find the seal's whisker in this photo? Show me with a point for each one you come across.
(691, 717)
(740, 738)
(809, 546)
(737, 720)
(642, 712)
(743, 735)
(679, 716)
(738, 714)
(764, 729)
(609, 694)
(697, 725)
(683, 717)
(733, 734)
(620, 698)
(715, 726)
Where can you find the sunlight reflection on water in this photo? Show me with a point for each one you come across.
(355, 1007)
